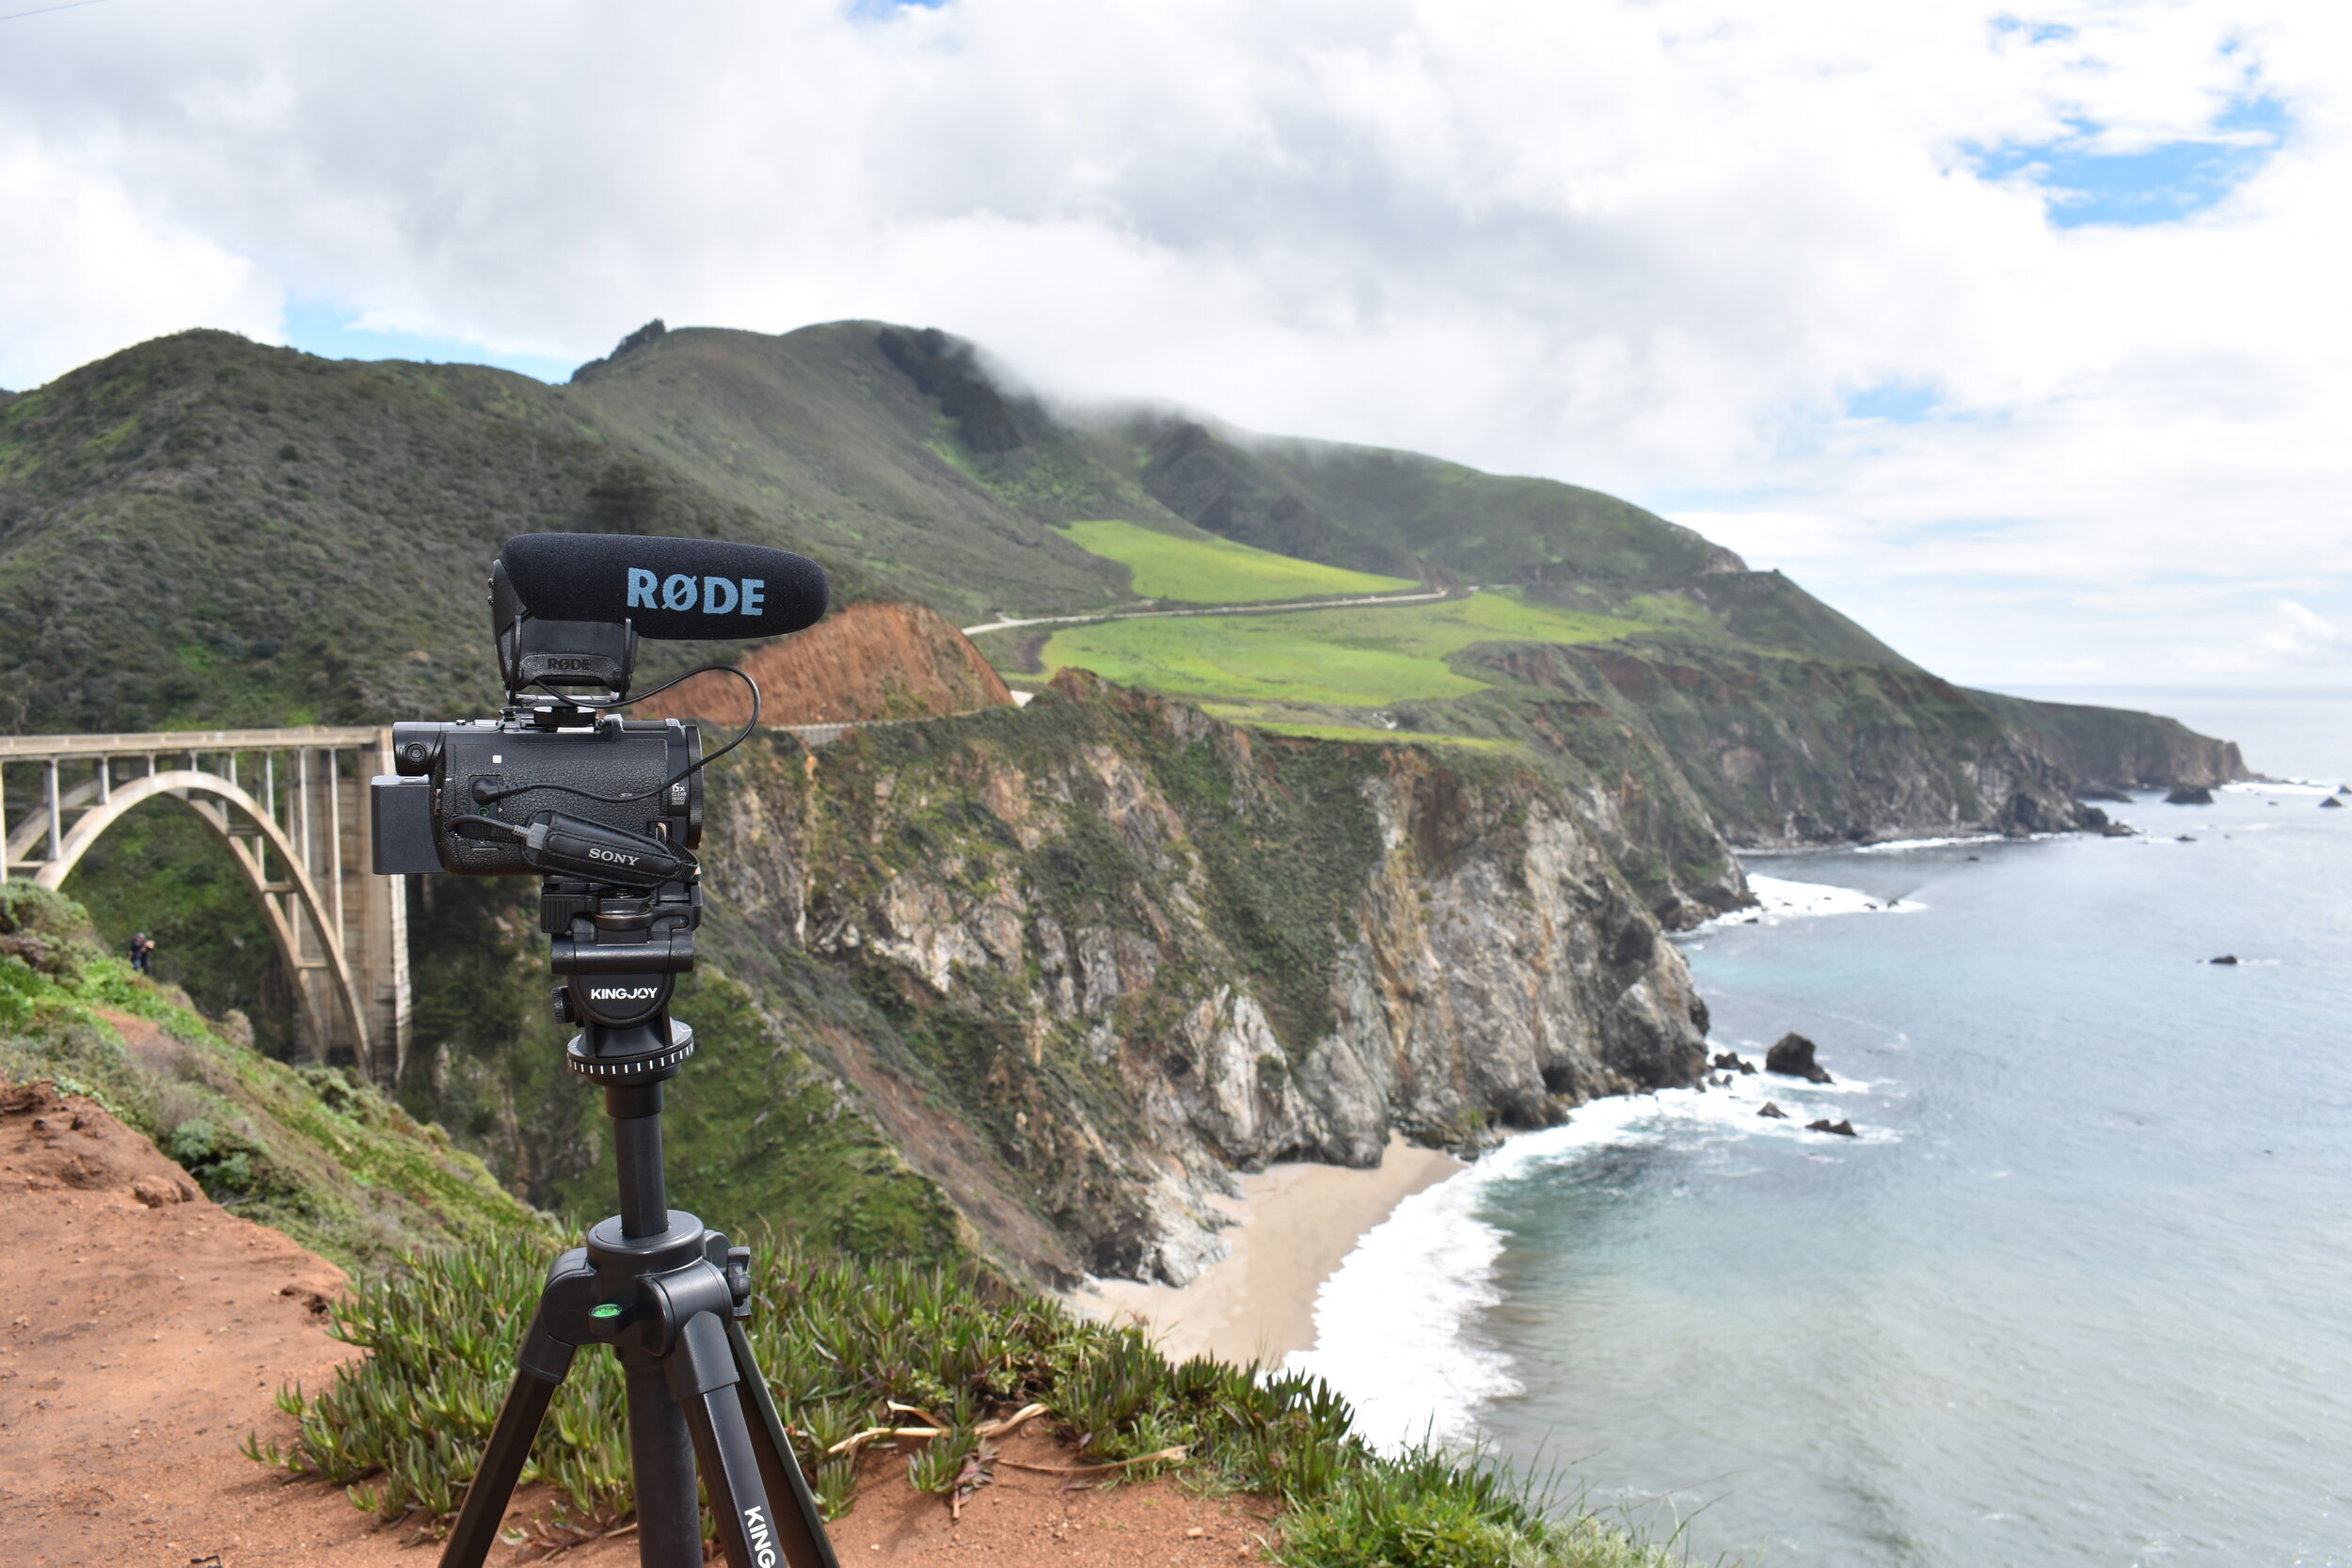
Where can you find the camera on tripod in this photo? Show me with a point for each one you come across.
(608, 812)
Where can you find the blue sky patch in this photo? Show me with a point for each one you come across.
(1896, 402)
(326, 329)
(2163, 183)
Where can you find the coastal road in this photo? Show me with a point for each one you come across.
(1219, 609)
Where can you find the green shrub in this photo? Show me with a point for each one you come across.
(849, 1346)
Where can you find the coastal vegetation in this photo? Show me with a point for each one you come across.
(898, 1365)
(312, 1151)
(1200, 568)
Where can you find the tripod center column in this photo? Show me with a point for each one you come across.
(636, 1113)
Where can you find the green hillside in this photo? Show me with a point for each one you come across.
(1375, 509)
(1200, 568)
(201, 531)
(330, 1161)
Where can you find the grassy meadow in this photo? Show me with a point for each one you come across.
(1204, 569)
(1357, 655)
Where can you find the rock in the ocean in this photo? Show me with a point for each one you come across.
(1768, 1109)
(1791, 1057)
(2189, 794)
(1843, 1129)
(1730, 1061)
(2225, 958)
(2330, 802)
(2184, 838)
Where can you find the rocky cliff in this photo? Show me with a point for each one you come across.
(1037, 981)
(1786, 751)
(1114, 949)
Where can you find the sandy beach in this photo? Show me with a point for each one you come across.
(1293, 1227)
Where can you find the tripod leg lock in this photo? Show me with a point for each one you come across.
(703, 1360)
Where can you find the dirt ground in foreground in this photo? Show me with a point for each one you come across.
(144, 1332)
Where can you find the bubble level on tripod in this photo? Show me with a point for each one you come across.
(605, 1309)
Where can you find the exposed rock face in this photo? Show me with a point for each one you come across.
(1791, 1057)
(648, 333)
(1134, 948)
(2113, 750)
(1689, 742)
(862, 662)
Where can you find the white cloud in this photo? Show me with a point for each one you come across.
(1647, 246)
(89, 271)
(2295, 639)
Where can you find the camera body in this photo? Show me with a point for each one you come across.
(500, 767)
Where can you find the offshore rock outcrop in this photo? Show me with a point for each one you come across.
(1114, 949)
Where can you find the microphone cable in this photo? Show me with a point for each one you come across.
(490, 796)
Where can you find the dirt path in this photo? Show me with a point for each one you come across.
(144, 1332)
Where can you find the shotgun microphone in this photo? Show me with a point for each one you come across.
(703, 589)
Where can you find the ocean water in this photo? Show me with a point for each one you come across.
(2080, 1292)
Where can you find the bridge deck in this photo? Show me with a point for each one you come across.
(39, 748)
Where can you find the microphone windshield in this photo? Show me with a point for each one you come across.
(671, 588)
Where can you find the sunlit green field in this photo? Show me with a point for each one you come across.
(1356, 657)
(1208, 570)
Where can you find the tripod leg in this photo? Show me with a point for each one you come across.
(669, 1518)
(703, 1379)
(799, 1523)
(540, 1365)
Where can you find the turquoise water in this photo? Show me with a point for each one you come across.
(2082, 1293)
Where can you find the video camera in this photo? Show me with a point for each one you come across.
(608, 809)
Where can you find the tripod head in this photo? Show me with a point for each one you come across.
(620, 950)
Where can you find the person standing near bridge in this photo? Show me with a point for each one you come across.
(142, 951)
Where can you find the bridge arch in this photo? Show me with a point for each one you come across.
(298, 835)
(332, 1010)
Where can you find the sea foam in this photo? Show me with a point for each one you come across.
(1396, 1327)
(1778, 899)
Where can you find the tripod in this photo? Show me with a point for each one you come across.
(668, 1295)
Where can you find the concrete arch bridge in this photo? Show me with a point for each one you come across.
(290, 805)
